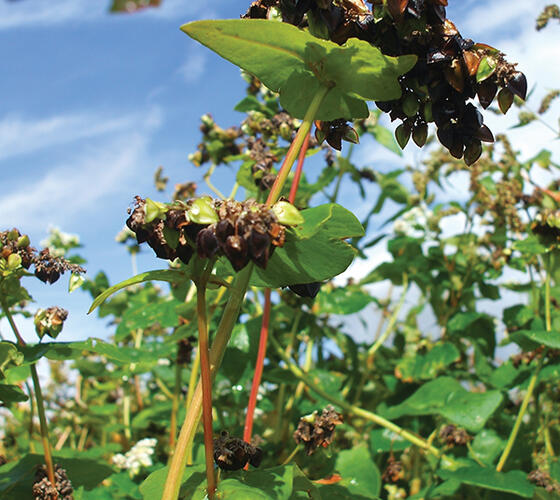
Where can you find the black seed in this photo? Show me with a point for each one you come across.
(518, 84)
(236, 250)
(306, 289)
(224, 228)
(206, 243)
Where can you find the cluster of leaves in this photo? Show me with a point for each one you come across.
(422, 406)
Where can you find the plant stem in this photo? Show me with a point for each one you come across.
(381, 340)
(299, 169)
(532, 382)
(213, 188)
(372, 417)
(175, 406)
(223, 334)
(296, 145)
(291, 456)
(205, 377)
(40, 402)
(190, 394)
(248, 430)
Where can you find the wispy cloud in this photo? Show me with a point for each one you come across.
(30, 13)
(66, 190)
(194, 66)
(19, 135)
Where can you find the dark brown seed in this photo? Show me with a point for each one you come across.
(184, 252)
(473, 150)
(420, 134)
(306, 289)
(206, 243)
(224, 228)
(484, 134)
(486, 92)
(518, 85)
(236, 250)
(259, 247)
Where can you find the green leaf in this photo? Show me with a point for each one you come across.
(9, 355)
(267, 484)
(385, 137)
(381, 440)
(530, 245)
(346, 300)
(514, 481)
(427, 366)
(144, 315)
(11, 394)
(359, 474)
(273, 51)
(487, 446)
(313, 251)
(446, 396)
(16, 478)
(169, 275)
(299, 89)
(193, 484)
(531, 339)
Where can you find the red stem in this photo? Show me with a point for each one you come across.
(248, 431)
(258, 368)
(299, 169)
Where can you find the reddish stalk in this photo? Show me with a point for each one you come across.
(258, 368)
(299, 169)
(261, 355)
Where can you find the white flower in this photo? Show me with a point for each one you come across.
(140, 455)
(164, 362)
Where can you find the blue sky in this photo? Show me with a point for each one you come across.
(93, 103)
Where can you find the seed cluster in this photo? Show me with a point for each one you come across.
(44, 490)
(243, 231)
(48, 268)
(449, 72)
(231, 453)
(542, 478)
(320, 431)
(393, 472)
(452, 435)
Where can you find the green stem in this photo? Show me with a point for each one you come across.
(291, 456)
(532, 382)
(205, 377)
(190, 394)
(381, 340)
(296, 145)
(40, 402)
(213, 188)
(372, 417)
(223, 334)
(175, 406)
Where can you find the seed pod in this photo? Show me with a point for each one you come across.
(287, 214)
(237, 252)
(402, 134)
(202, 211)
(420, 134)
(259, 248)
(224, 228)
(473, 150)
(206, 242)
(184, 252)
(505, 100)
(518, 84)
(486, 92)
(306, 289)
(472, 60)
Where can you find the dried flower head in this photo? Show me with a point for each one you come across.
(454, 436)
(44, 490)
(316, 431)
(231, 453)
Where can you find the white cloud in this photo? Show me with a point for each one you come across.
(65, 191)
(32, 13)
(20, 135)
(194, 66)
